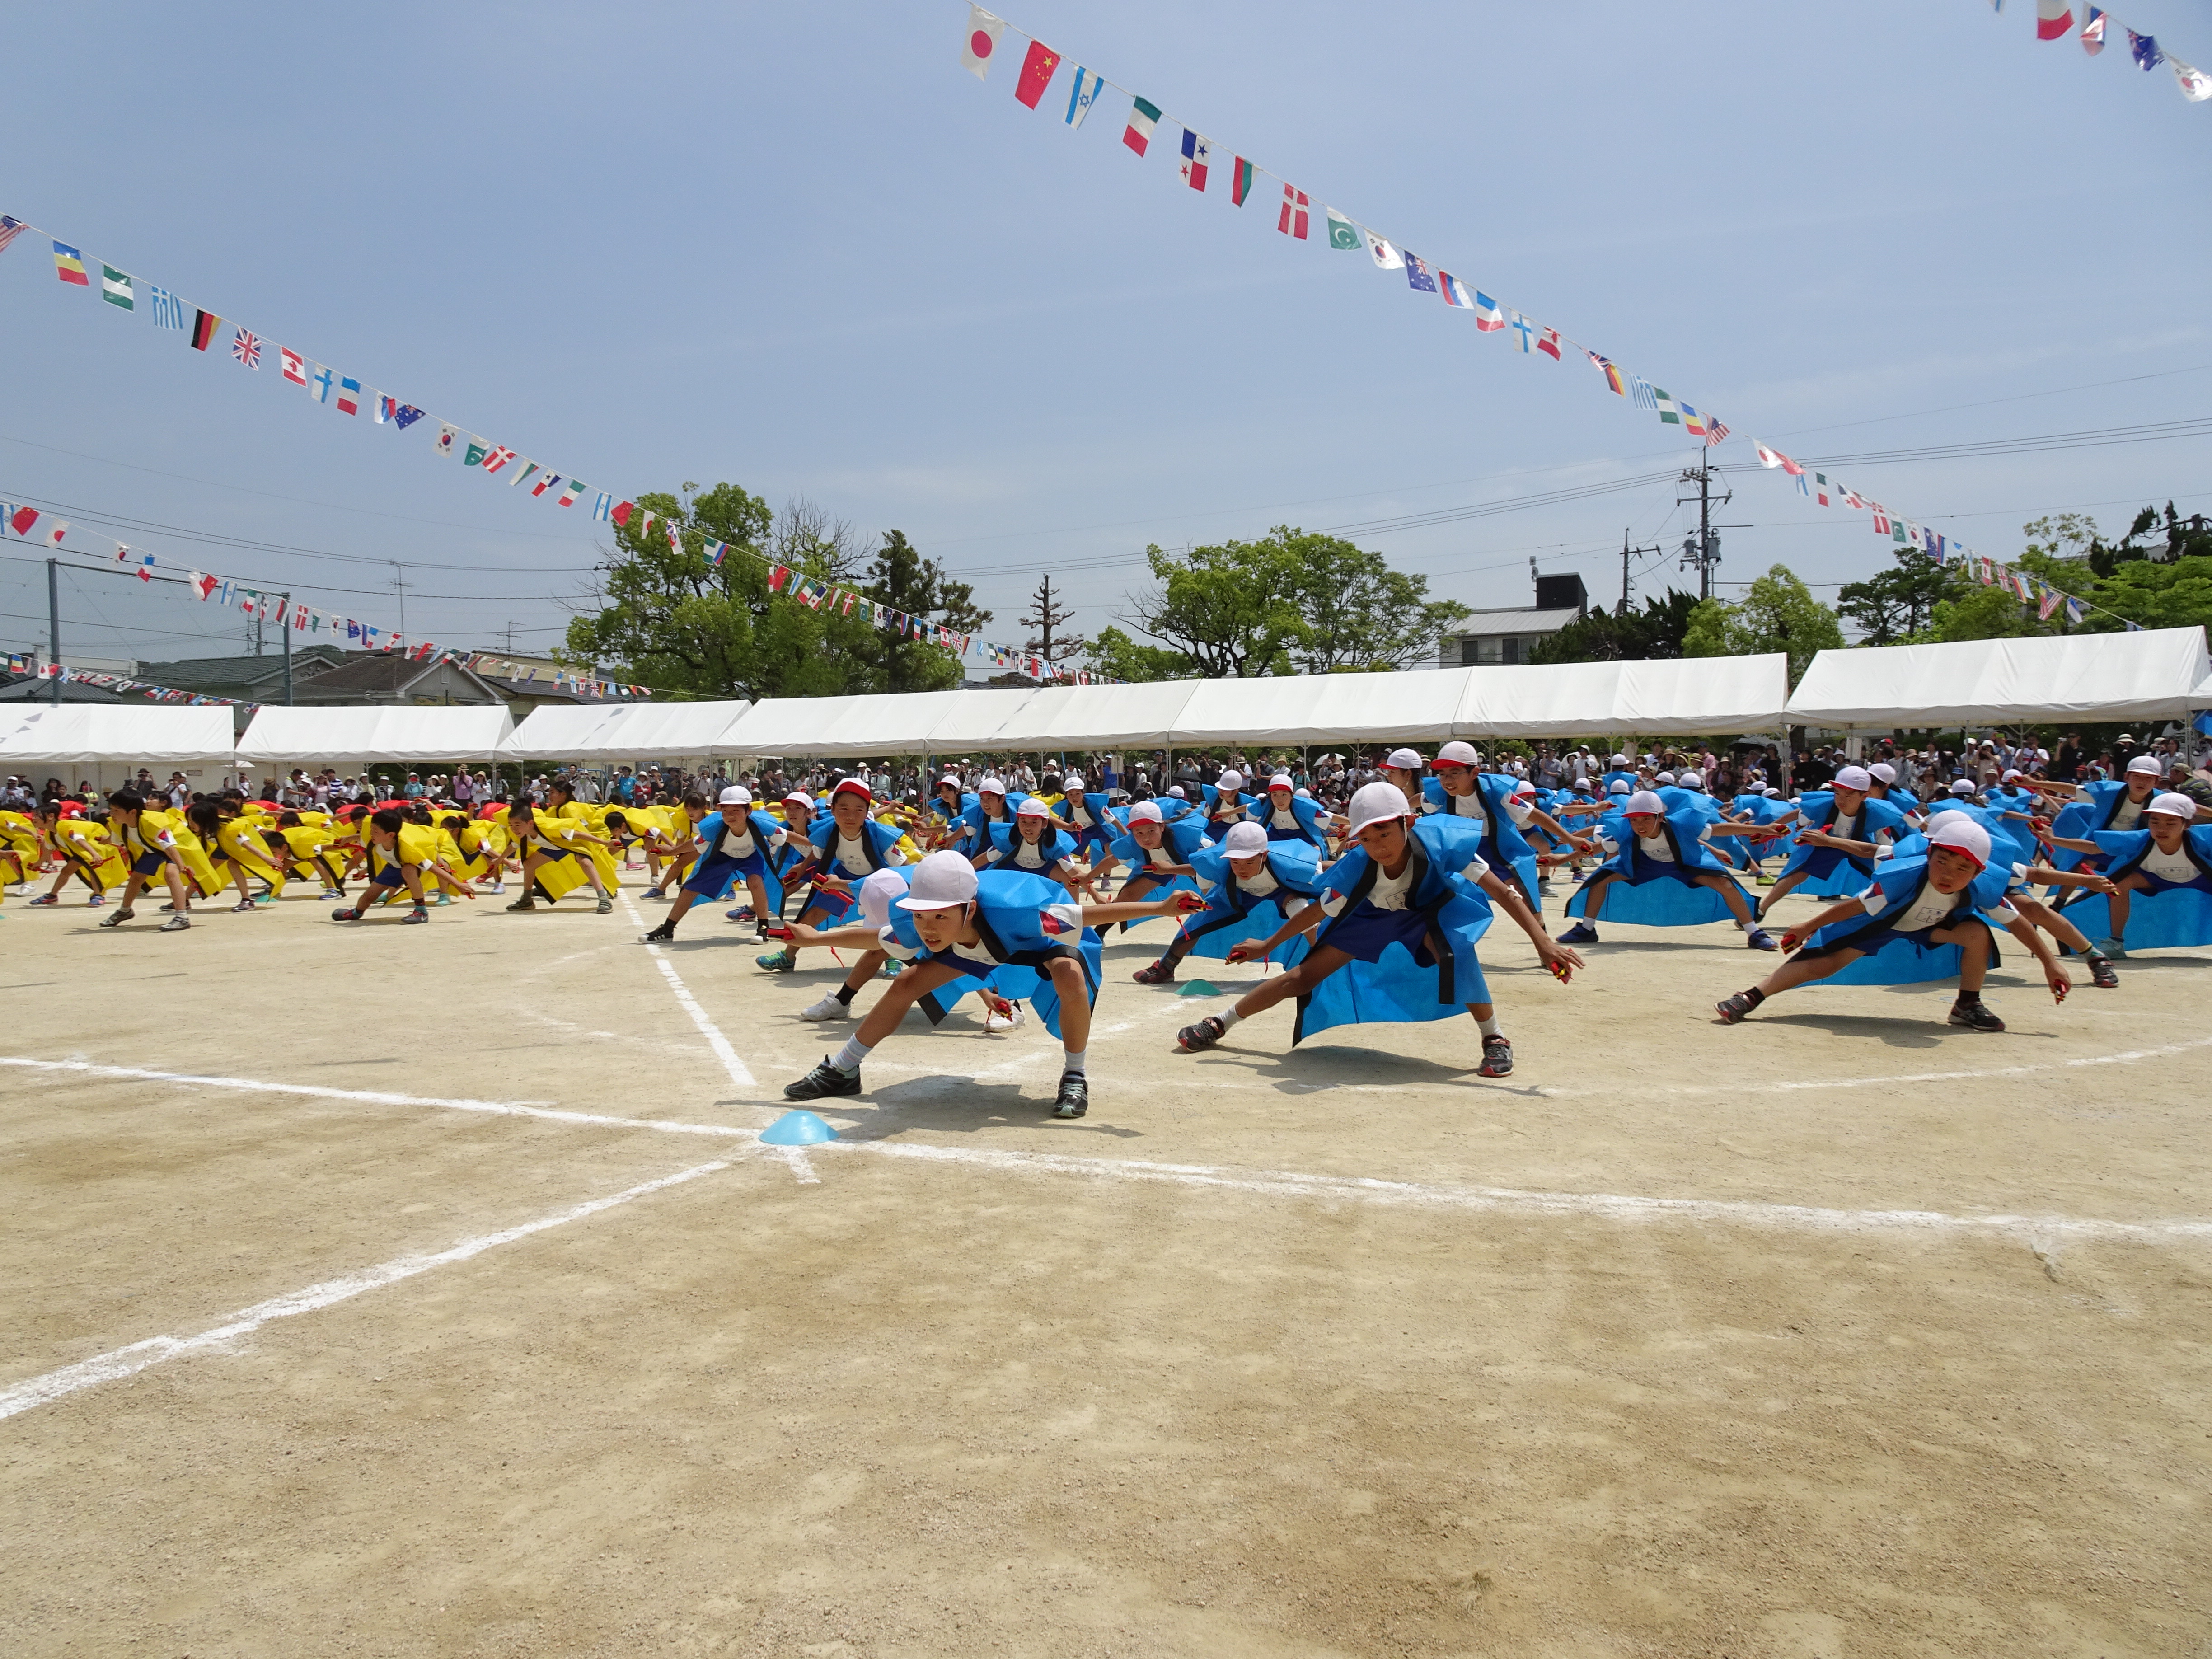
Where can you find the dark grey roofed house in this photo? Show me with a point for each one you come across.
(1507, 637)
(246, 680)
(370, 677)
(29, 688)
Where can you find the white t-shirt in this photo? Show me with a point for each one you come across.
(1929, 908)
(1283, 818)
(2174, 865)
(2129, 813)
(1078, 813)
(1656, 847)
(1260, 885)
(1027, 855)
(1468, 805)
(738, 843)
(1162, 855)
(850, 853)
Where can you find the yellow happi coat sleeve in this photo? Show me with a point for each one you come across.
(95, 853)
(196, 861)
(240, 841)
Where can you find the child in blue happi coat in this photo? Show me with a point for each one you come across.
(848, 845)
(1663, 874)
(2115, 806)
(1224, 802)
(1286, 814)
(949, 806)
(2014, 846)
(1400, 916)
(884, 935)
(1251, 884)
(1032, 843)
(1922, 919)
(972, 830)
(736, 843)
(1841, 833)
(1157, 852)
(1484, 799)
(1087, 816)
(974, 925)
(2168, 862)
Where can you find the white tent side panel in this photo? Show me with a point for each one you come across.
(1691, 695)
(1534, 701)
(975, 720)
(408, 735)
(1321, 708)
(634, 732)
(884, 723)
(1142, 716)
(88, 734)
(2085, 677)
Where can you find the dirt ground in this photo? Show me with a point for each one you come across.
(1839, 1333)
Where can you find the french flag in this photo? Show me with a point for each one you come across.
(2053, 18)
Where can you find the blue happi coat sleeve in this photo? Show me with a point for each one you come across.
(1293, 864)
(2156, 922)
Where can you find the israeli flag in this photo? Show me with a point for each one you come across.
(1088, 85)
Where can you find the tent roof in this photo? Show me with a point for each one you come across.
(2102, 676)
(86, 734)
(1143, 716)
(1324, 708)
(1675, 697)
(624, 732)
(884, 723)
(409, 734)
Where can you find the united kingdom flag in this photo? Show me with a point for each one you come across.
(245, 346)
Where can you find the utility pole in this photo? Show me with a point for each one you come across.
(399, 581)
(1628, 581)
(1701, 550)
(54, 625)
(284, 631)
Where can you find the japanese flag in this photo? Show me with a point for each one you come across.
(981, 42)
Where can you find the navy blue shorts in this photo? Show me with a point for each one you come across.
(2160, 884)
(1820, 861)
(149, 864)
(712, 876)
(391, 875)
(1652, 869)
(1872, 939)
(1364, 933)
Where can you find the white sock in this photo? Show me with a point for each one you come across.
(1489, 1027)
(1072, 1061)
(848, 1059)
(1229, 1017)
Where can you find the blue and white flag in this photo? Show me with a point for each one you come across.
(319, 383)
(1088, 86)
(603, 508)
(169, 310)
(2073, 611)
(1646, 398)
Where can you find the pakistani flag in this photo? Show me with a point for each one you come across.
(115, 288)
(1342, 233)
(477, 451)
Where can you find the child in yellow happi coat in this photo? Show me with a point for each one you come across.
(556, 856)
(156, 843)
(398, 854)
(236, 851)
(88, 854)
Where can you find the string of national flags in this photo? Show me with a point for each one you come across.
(2054, 20)
(1902, 531)
(348, 396)
(1200, 160)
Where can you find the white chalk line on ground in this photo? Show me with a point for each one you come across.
(1281, 1183)
(128, 1361)
(707, 1028)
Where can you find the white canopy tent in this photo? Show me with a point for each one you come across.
(1057, 717)
(1324, 708)
(92, 734)
(408, 735)
(638, 732)
(884, 723)
(2150, 675)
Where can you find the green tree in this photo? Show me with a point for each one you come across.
(1226, 609)
(667, 617)
(1897, 605)
(1777, 613)
(1118, 657)
(1627, 635)
(1355, 613)
(901, 579)
(1975, 612)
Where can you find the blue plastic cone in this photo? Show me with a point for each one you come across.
(797, 1129)
(1200, 988)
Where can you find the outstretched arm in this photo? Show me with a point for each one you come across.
(1842, 910)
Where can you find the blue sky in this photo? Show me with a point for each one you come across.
(801, 249)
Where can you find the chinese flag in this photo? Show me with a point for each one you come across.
(1036, 73)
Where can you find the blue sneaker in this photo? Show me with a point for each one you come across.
(1760, 939)
(776, 962)
(1581, 933)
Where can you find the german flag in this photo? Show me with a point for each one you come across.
(204, 323)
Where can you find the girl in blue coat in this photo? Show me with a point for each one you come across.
(949, 808)
(1224, 802)
(1032, 843)
(1399, 917)
(1663, 874)
(849, 845)
(1922, 919)
(1251, 884)
(972, 925)
(1840, 833)
(2168, 862)
(1485, 800)
(736, 844)
(1158, 853)
(1288, 815)
(971, 832)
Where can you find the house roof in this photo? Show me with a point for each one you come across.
(366, 674)
(31, 688)
(1489, 624)
(187, 672)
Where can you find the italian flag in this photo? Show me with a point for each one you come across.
(571, 492)
(1143, 117)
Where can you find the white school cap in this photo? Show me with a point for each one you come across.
(2012, 772)
(1644, 801)
(1032, 807)
(735, 795)
(1175, 790)
(1071, 783)
(1664, 777)
(1772, 795)
(1617, 787)
(990, 786)
(1962, 835)
(1620, 760)
(1302, 794)
(940, 881)
(952, 778)
(1523, 787)
(1230, 781)
(1854, 777)
(1690, 780)
(1280, 781)
(804, 799)
(1243, 840)
(1458, 754)
(1882, 772)
(1145, 811)
(853, 786)
(2178, 804)
(880, 892)
(1962, 786)
(1404, 760)
(1376, 803)
(2149, 763)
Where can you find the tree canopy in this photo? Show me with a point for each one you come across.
(1777, 613)
(1627, 635)
(1291, 601)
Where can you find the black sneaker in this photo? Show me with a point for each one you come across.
(1737, 1008)
(1074, 1096)
(1974, 1014)
(824, 1081)
(2101, 974)
(1204, 1034)
(1496, 1057)
(526, 902)
(660, 935)
(1160, 973)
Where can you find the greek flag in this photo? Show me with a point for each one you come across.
(169, 310)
